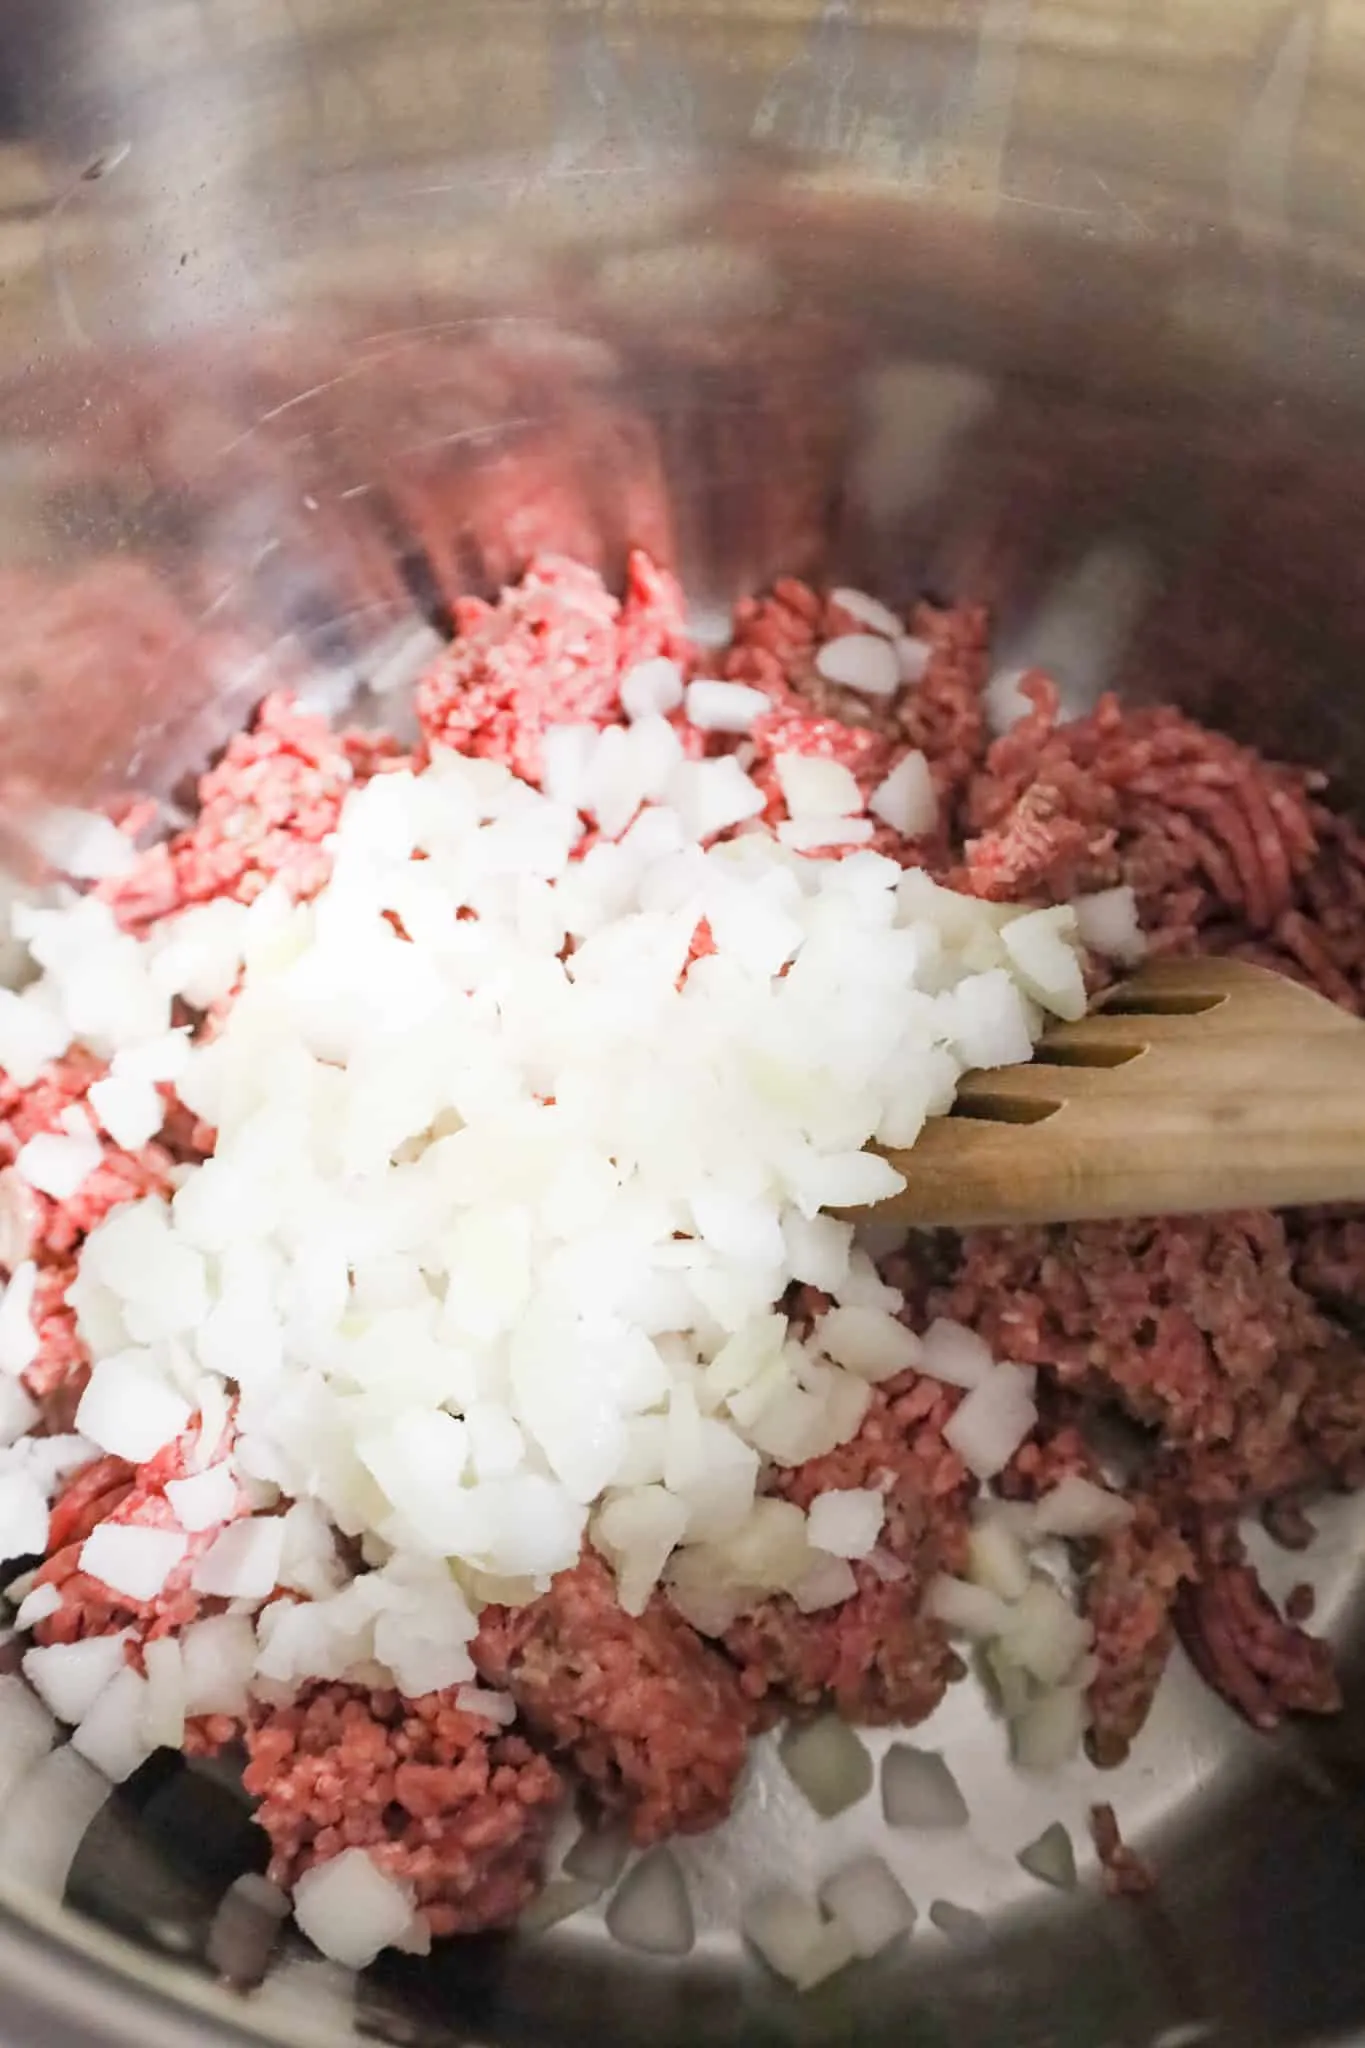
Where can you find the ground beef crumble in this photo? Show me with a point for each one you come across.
(652, 1719)
(438, 1799)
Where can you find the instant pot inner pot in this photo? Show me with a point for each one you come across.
(315, 316)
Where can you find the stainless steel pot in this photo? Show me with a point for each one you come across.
(313, 313)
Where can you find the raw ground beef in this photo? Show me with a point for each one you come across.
(1125, 1873)
(438, 1799)
(1227, 1343)
(877, 1656)
(652, 1720)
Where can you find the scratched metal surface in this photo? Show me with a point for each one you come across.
(314, 311)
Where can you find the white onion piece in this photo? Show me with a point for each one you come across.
(1050, 1730)
(84, 844)
(37, 1606)
(1077, 1508)
(23, 1517)
(1045, 1637)
(129, 1409)
(111, 1736)
(860, 661)
(954, 1354)
(651, 1910)
(815, 788)
(598, 1856)
(218, 1655)
(907, 800)
(71, 1676)
(245, 1929)
(996, 1560)
(57, 1164)
(244, 1562)
(561, 1898)
(27, 1733)
(498, 1707)
(867, 1341)
(793, 1940)
(813, 834)
(163, 1717)
(868, 611)
(990, 1425)
(45, 1818)
(889, 1568)
(130, 1559)
(959, 1924)
(18, 1338)
(846, 1521)
(1050, 1858)
(131, 1111)
(919, 1791)
(1108, 924)
(204, 1499)
(828, 1763)
(1042, 947)
(870, 1904)
(350, 1910)
(913, 657)
(828, 1583)
(652, 688)
(967, 1609)
(724, 707)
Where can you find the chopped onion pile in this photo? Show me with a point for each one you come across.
(1037, 1646)
(507, 1190)
(479, 1112)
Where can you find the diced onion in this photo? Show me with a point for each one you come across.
(828, 1763)
(860, 661)
(868, 1341)
(112, 1736)
(793, 1940)
(868, 611)
(350, 1910)
(1076, 1508)
(959, 1924)
(907, 800)
(969, 1610)
(651, 1910)
(1051, 1858)
(919, 1790)
(997, 1417)
(996, 1560)
(867, 1900)
(724, 707)
(1050, 1730)
(846, 1522)
(1046, 1637)
(954, 1354)
(45, 1819)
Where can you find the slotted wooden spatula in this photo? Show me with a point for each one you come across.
(1198, 1085)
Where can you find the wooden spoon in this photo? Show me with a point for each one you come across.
(1198, 1085)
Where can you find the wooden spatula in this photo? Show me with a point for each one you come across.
(1196, 1086)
